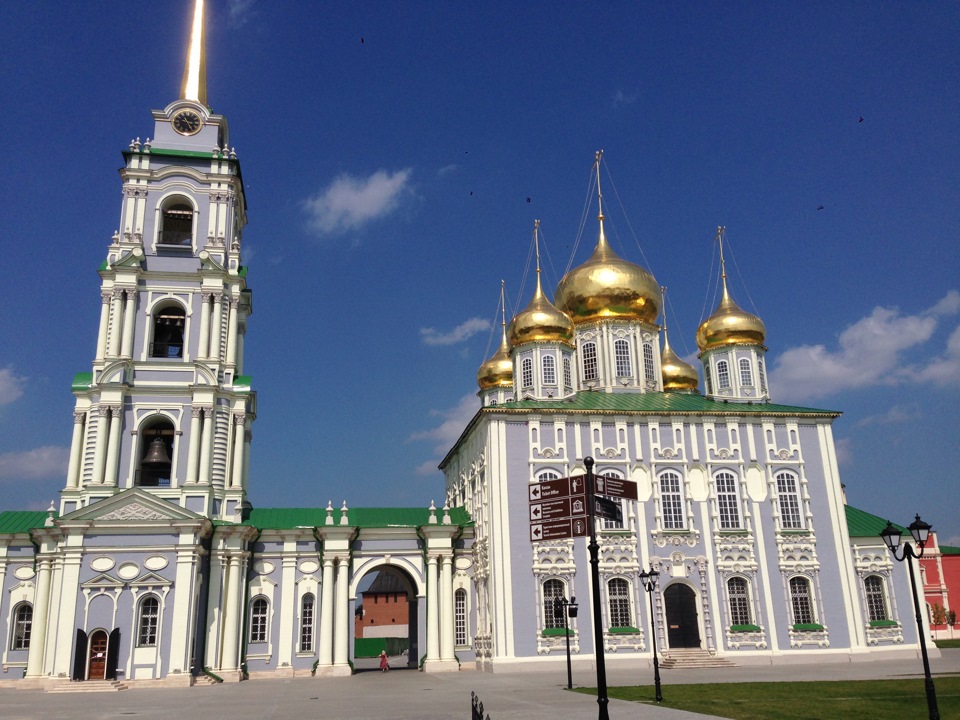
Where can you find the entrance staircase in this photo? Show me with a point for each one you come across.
(686, 658)
(88, 686)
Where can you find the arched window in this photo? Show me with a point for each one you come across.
(460, 617)
(552, 588)
(526, 372)
(723, 375)
(589, 352)
(22, 626)
(649, 371)
(621, 356)
(618, 603)
(156, 453)
(746, 374)
(148, 621)
(788, 500)
(549, 370)
(671, 501)
(728, 500)
(258, 620)
(547, 475)
(168, 325)
(876, 598)
(801, 601)
(739, 601)
(176, 224)
(567, 375)
(762, 374)
(306, 622)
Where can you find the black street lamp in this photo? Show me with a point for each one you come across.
(566, 608)
(649, 580)
(891, 536)
(594, 547)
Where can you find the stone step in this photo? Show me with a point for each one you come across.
(688, 658)
(88, 686)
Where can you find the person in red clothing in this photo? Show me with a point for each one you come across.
(384, 665)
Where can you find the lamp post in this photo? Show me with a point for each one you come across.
(594, 547)
(566, 608)
(649, 580)
(891, 537)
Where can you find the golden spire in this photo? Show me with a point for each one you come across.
(195, 71)
(498, 370)
(540, 321)
(729, 325)
(677, 374)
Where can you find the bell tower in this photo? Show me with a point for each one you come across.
(167, 406)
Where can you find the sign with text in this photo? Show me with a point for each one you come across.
(616, 487)
(558, 508)
(558, 529)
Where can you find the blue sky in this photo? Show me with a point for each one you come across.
(396, 156)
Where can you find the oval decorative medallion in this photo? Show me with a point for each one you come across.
(155, 562)
(102, 563)
(463, 563)
(262, 567)
(24, 572)
(128, 571)
(309, 566)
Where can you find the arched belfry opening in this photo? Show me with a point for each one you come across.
(386, 619)
(155, 463)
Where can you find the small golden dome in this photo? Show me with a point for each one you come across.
(729, 325)
(540, 321)
(608, 287)
(498, 370)
(677, 374)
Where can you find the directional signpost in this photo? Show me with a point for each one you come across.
(558, 509)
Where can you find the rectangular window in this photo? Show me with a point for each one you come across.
(258, 620)
(526, 373)
(609, 524)
(621, 354)
(739, 601)
(746, 375)
(567, 375)
(149, 615)
(552, 589)
(649, 371)
(789, 502)
(671, 501)
(801, 601)
(460, 617)
(306, 623)
(876, 603)
(549, 370)
(762, 374)
(728, 503)
(618, 599)
(22, 626)
(589, 361)
(723, 375)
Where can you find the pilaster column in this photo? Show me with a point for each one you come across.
(116, 321)
(193, 443)
(100, 449)
(113, 446)
(230, 660)
(214, 351)
(104, 325)
(326, 614)
(204, 350)
(232, 332)
(206, 446)
(76, 450)
(41, 607)
(129, 315)
(433, 619)
(247, 439)
(341, 633)
(239, 435)
(446, 609)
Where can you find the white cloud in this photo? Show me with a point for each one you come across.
(11, 386)
(447, 169)
(897, 415)
(844, 448)
(350, 202)
(452, 422)
(461, 332)
(239, 12)
(40, 463)
(871, 352)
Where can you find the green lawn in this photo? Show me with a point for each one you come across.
(955, 643)
(846, 700)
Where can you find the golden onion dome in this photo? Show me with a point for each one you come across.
(498, 370)
(729, 325)
(540, 321)
(677, 374)
(608, 287)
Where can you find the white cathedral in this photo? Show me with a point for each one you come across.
(156, 568)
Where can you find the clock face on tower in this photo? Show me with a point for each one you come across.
(187, 122)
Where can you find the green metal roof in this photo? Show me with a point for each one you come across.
(949, 550)
(241, 383)
(286, 518)
(658, 402)
(21, 521)
(862, 524)
(82, 381)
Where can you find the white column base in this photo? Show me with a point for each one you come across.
(334, 671)
(438, 666)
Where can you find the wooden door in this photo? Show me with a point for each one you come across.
(98, 656)
(682, 626)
